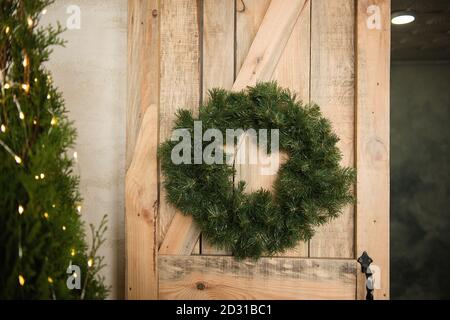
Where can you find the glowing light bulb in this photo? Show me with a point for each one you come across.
(46, 215)
(3, 128)
(21, 280)
(75, 155)
(20, 209)
(75, 275)
(63, 228)
(35, 79)
(72, 252)
(53, 205)
(49, 96)
(54, 121)
(42, 176)
(36, 177)
(7, 30)
(21, 115)
(44, 11)
(90, 262)
(7, 86)
(79, 208)
(26, 87)
(50, 280)
(25, 61)
(30, 22)
(18, 159)
(35, 122)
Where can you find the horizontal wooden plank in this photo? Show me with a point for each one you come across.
(224, 278)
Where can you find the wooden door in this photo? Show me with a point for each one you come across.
(334, 53)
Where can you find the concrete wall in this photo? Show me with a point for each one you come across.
(91, 73)
(420, 180)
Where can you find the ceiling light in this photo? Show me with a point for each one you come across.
(403, 17)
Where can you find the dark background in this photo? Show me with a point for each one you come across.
(420, 154)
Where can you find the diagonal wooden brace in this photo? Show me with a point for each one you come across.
(259, 65)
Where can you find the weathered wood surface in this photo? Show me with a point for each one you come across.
(215, 277)
(333, 89)
(142, 194)
(372, 139)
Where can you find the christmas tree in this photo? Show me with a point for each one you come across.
(42, 237)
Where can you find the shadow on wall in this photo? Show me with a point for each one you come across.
(420, 181)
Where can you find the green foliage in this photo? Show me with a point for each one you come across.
(38, 245)
(311, 187)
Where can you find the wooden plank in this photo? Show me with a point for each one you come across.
(143, 66)
(141, 207)
(224, 278)
(180, 84)
(269, 43)
(218, 60)
(182, 238)
(332, 88)
(372, 138)
(141, 194)
(260, 63)
(293, 72)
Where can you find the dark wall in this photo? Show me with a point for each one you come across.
(420, 181)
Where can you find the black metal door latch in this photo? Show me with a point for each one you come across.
(365, 262)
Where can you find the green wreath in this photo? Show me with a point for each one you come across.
(310, 189)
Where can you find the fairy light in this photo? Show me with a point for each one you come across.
(63, 228)
(25, 87)
(7, 30)
(44, 11)
(26, 61)
(21, 115)
(75, 155)
(7, 86)
(35, 79)
(54, 121)
(3, 128)
(50, 280)
(75, 275)
(36, 177)
(35, 122)
(49, 96)
(72, 252)
(30, 22)
(20, 209)
(42, 175)
(21, 280)
(90, 262)
(46, 215)
(18, 159)
(79, 208)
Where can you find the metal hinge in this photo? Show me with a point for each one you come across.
(365, 262)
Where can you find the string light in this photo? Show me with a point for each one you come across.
(44, 11)
(21, 280)
(20, 209)
(42, 176)
(46, 215)
(75, 275)
(35, 122)
(36, 177)
(72, 252)
(90, 262)
(21, 115)
(7, 86)
(50, 280)
(79, 208)
(75, 155)
(3, 128)
(7, 30)
(26, 87)
(18, 159)
(54, 121)
(63, 228)
(53, 205)
(35, 79)
(49, 96)
(25, 61)
(30, 22)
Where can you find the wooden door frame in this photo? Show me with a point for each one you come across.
(372, 45)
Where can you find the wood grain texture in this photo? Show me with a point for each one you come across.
(143, 66)
(182, 236)
(206, 277)
(372, 141)
(269, 42)
(180, 82)
(218, 61)
(332, 88)
(141, 195)
(141, 199)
